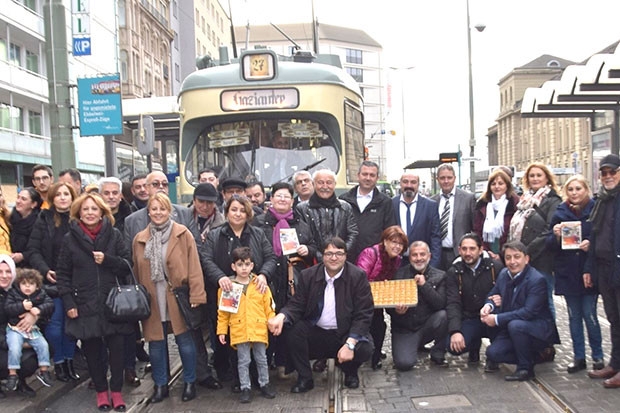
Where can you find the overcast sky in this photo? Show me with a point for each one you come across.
(432, 36)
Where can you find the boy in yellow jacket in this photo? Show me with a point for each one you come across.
(243, 314)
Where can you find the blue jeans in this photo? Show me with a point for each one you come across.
(583, 308)
(15, 342)
(243, 363)
(473, 330)
(159, 357)
(62, 345)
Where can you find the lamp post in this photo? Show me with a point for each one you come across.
(402, 103)
(472, 136)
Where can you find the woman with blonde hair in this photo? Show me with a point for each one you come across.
(493, 212)
(92, 256)
(165, 256)
(581, 297)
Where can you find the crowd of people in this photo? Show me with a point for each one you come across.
(284, 278)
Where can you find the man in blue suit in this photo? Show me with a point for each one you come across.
(518, 305)
(418, 216)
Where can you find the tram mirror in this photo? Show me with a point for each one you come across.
(145, 138)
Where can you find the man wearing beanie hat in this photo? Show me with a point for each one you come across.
(602, 267)
(29, 363)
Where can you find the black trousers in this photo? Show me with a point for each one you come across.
(308, 342)
(203, 370)
(92, 348)
(377, 330)
(611, 303)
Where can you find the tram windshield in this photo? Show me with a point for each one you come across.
(267, 150)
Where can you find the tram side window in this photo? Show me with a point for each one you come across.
(354, 140)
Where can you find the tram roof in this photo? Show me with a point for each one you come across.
(288, 73)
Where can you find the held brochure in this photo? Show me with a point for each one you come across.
(571, 235)
(229, 300)
(289, 240)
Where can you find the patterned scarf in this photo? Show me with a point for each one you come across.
(525, 209)
(153, 248)
(282, 223)
(494, 222)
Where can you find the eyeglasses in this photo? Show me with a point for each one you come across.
(338, 254)
(157, 184)
(41, 178)
(282, 196)
(610, 172)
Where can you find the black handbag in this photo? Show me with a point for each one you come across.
(192, 316)
(128, 303)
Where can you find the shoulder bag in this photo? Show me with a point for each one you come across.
(191, 315)
(127, 303)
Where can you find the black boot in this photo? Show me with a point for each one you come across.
(62, 372)
(71, 370)
(141, 354)
(159, 394)
(189, 392)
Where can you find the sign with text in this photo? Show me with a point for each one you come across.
(100, 106)
(253, 99)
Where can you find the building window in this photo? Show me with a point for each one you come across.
(11, 117)
(32, 61)
(354, 56)
(15, 54)
(177, 72)
(34, 122)
(203, 24)
(356, 73)
(174, 8)
(208, 31)
(31, 4)
(124, 62)
(176, 40)
(197, 16)
(122, 13)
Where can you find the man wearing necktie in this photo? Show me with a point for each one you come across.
(456, 213)
(418, 216)
(517, 305)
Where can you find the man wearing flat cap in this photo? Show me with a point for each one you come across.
(602, 266)
(235, 186)
(204, 209)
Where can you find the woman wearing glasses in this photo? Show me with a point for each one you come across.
(42, 254)
(289, 264)
(381, 261)
(221, 241)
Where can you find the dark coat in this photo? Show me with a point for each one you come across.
(279, 282)
(480, 215)
(14, 305)
(568, 264)
(377, 216)
(124, 210)
(425, 225)
(535, 232)
(21, 228)
(42, 251)
(431, 298)
(468, 290)
(529, 302)
(354, 304)
(342, 224)
(219, 246)
(614, 259)
(84, 285)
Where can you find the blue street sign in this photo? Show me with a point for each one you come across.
(81, 46)
(100, 106)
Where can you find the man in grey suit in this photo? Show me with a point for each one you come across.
(456, 214)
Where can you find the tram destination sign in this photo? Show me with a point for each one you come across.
(257, 99)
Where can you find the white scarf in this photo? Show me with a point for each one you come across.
(494, 222)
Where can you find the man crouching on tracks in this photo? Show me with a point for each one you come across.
(329, 316)
(518, 305)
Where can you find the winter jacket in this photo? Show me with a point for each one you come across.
(480, 215)
(279, 282)
(376, 217)
(220, 243)
(249, 323)
(431, 298)
(21, 228)
(124, 210)
(369, 260)
(354, 304)
(84, 285)
(14, 305)
(468, 290)
(338, 221)
(535, 232)
(614, 258)
(42, 251)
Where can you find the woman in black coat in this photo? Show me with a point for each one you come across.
(221, 241)
(93, 254)
(22, 219)
(42, 254)
(282, 215)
